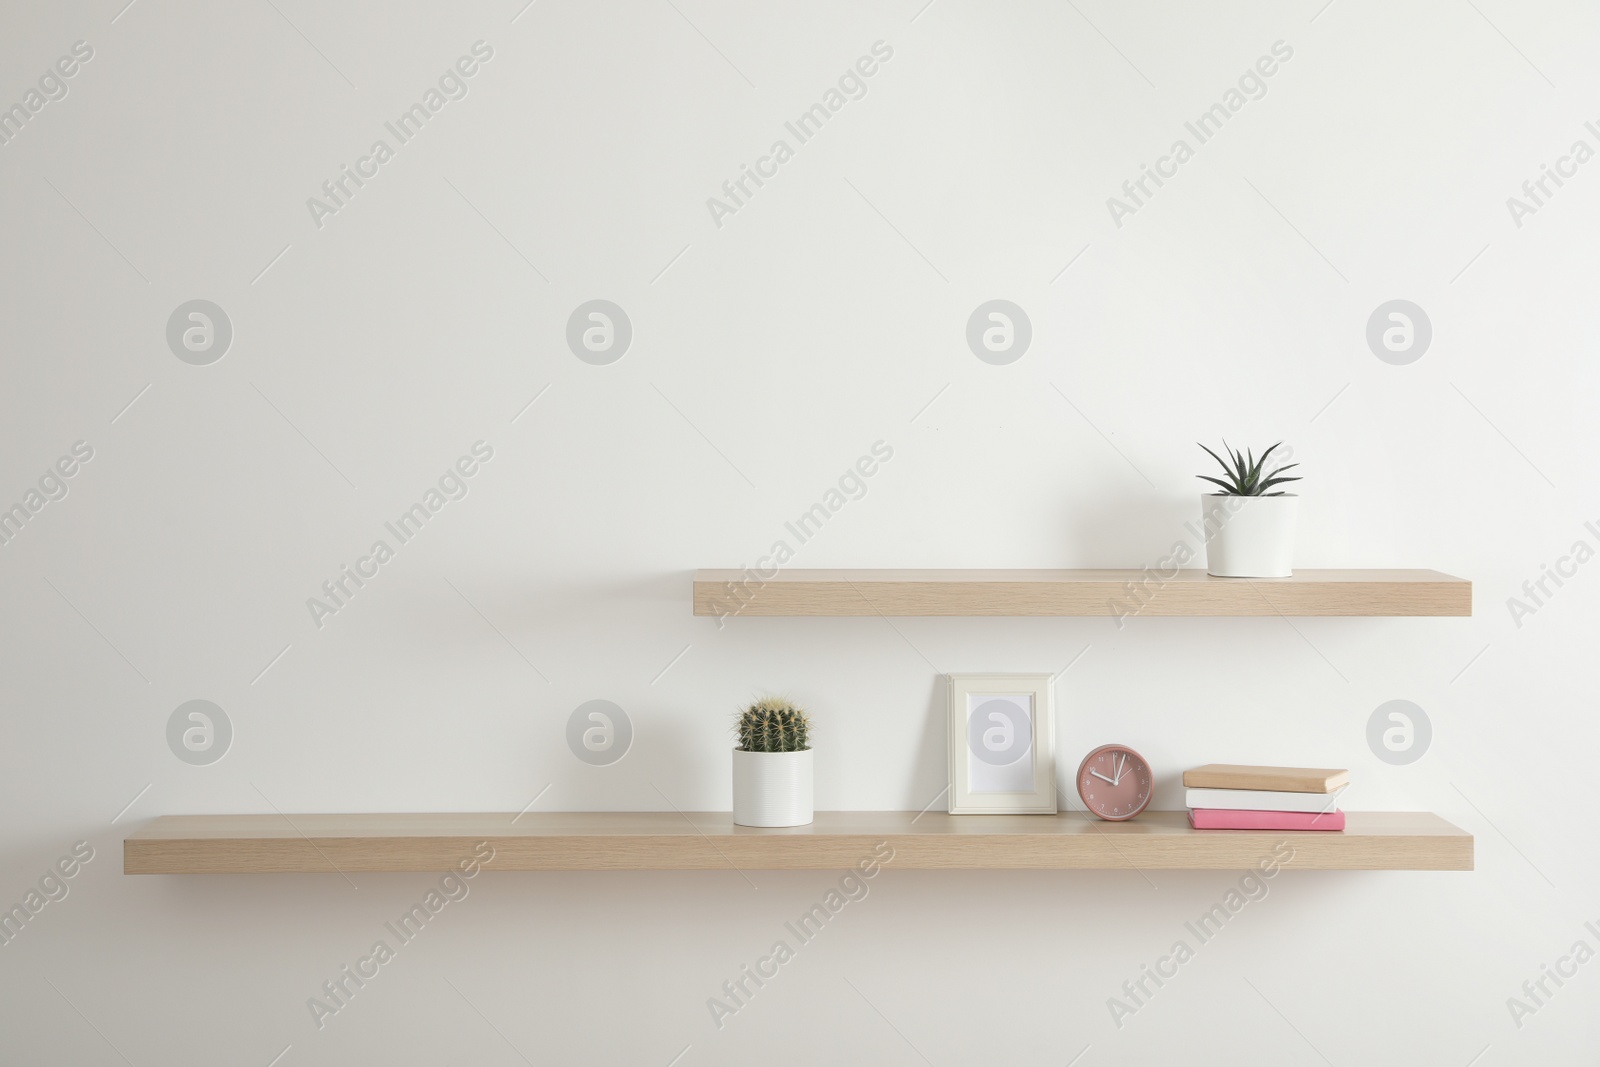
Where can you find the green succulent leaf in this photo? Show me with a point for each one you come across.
(1240, 471)
(1216, 457)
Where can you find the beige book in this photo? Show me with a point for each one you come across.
(1278, 779)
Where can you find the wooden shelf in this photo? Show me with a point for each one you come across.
(1078, 592)
(708, 841)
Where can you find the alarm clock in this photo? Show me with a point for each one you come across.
(1115, 782)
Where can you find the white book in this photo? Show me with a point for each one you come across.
(1261, 800)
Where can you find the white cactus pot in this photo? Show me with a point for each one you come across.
(1249, 536)
(771, 788)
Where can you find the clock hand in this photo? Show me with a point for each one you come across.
(1100, 776)
(1118, 772)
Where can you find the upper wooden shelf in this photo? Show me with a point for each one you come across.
(1113, 593)
(702, 841)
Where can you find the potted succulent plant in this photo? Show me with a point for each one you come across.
(772, 765)
(1249, 528)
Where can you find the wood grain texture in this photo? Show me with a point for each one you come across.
(1277, 779)
(670, 841)
(1078, 592)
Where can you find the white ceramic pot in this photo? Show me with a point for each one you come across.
(771, 788)
(1249, 536)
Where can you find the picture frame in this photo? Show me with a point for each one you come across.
(1002, 744)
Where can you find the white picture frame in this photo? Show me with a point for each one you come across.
(988, 717)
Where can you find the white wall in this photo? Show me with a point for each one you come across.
(774, 351)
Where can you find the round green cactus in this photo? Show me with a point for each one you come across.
(773, 725)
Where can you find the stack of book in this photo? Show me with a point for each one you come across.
(1226, 796)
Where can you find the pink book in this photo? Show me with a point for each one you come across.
(1223, 819)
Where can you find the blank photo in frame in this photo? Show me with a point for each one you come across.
(1002, 744)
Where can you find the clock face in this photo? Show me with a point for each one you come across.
(1115, 782)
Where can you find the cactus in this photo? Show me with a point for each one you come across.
(773, 725)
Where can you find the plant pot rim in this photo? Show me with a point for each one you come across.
(1263, 496)
(753, 752)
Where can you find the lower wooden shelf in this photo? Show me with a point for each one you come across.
(709, 841)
